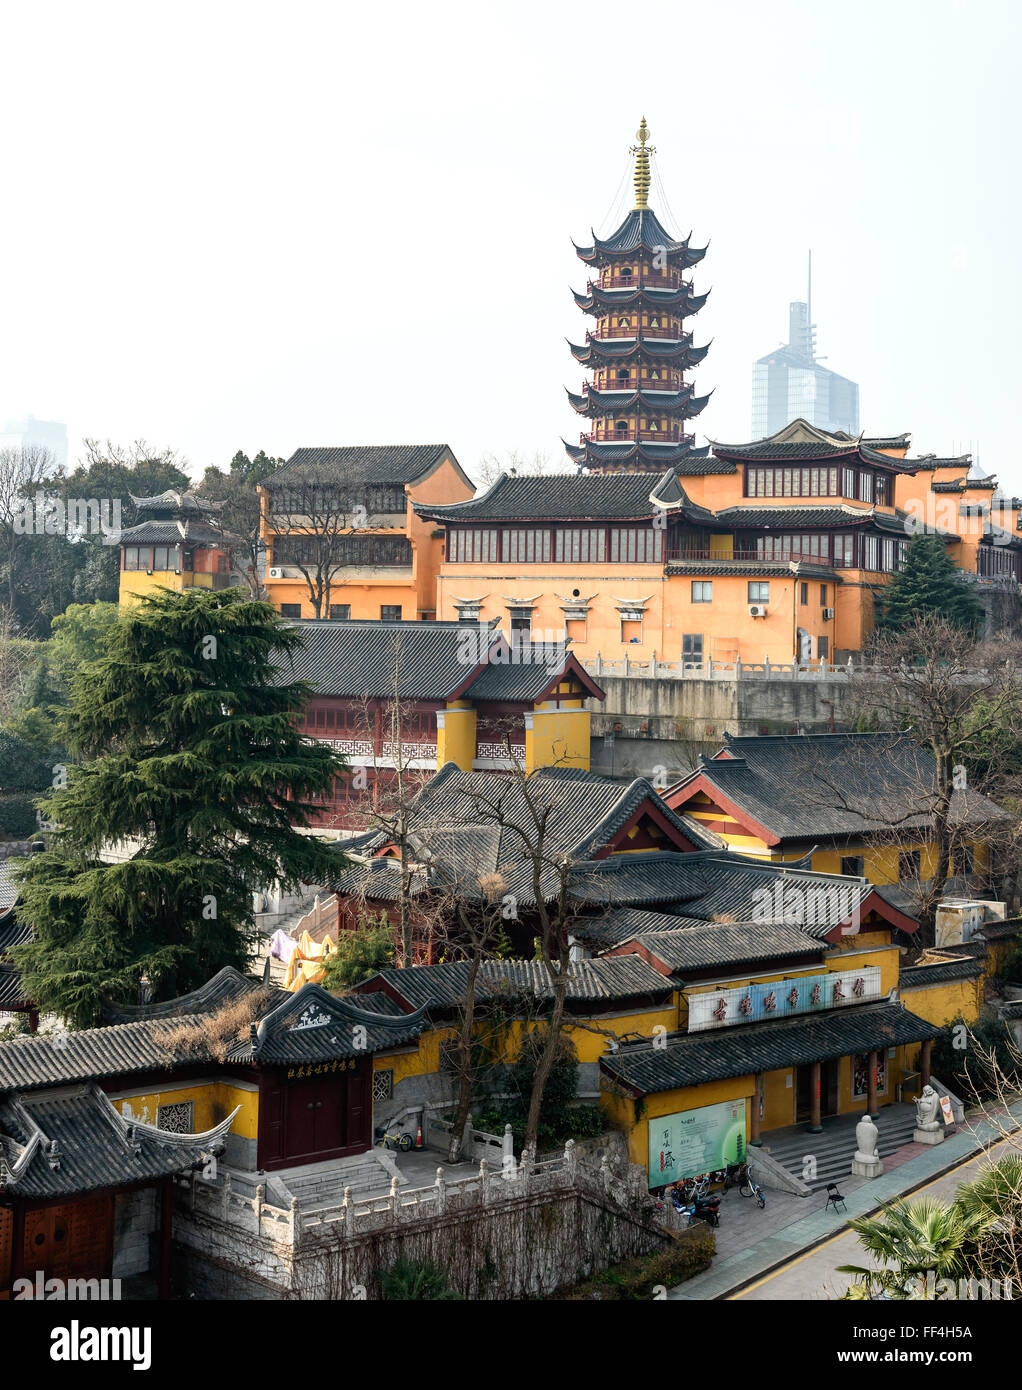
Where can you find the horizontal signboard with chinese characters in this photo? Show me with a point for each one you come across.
(722, 1008)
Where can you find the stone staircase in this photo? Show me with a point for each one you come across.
(834, 1148)
(322, 1185)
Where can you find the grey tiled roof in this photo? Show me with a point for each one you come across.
(456, 813)
(714, 944)
(8, 892)
(95, 1146)
(719, 1053)
(604, 982)
(997, 931)
(840, 517)
(373, 463)
(803, 451)
(642, 227)
(935, 972)
(170, 533)
(721, 569)
(156, 1043)
(11, 990)
(226, 985)
(804, 786)
(370, 659)
(315, 1026)
(653, 877)
(555, 497)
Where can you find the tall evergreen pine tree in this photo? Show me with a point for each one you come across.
(928, 582)
(185, 739)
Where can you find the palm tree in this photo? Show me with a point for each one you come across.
(996, 1189)
(912, 1239)
(996, 1192)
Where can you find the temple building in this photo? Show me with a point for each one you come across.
(342, 539)
(775, 550)
(638, 401)
(174, 545)
(406, 698)
(863, 806)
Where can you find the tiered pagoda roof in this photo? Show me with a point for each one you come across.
(641, 230)
(599, 300)
(802, 442)
(640, 427)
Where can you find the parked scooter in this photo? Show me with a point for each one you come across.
(698, 1209)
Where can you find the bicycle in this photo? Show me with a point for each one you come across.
(751, 1188)
(737, 1175)
(399, 1140)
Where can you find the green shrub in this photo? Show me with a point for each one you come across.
(17, 815)
(1011, 970)
(966, 1069)
(559, 1118)
(412, 1279)
(360, 954)
(689, 1253)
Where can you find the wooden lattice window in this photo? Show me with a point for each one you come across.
(383, 1085)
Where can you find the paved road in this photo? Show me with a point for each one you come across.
(813, 1275)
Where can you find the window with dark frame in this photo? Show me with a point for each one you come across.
(909, 866)
(853, 865)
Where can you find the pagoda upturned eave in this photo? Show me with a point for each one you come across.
(641, 230)
(679, 351)
(624, 455)
(677, 403)
(596, 300)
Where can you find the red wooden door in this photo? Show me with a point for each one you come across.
(70, 1241)
(311, 1119)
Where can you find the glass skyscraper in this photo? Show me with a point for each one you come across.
(790, 383)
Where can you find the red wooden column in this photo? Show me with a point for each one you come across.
(815, 1126)
(924, 1063)
(871, 1103)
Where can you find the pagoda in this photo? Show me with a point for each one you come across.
(638, 401)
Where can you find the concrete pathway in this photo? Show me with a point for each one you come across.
(753, 1243)
(814, 1274)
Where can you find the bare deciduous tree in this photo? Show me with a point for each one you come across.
(950, 696)
(320, 508)
(23, 471)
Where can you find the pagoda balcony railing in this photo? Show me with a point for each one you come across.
(666, 281)
(672, 334)
(755, 556)
(652, 282)
(642, 436)
(627, 384)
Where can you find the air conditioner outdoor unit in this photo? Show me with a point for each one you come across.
(756, 610)
(828, 614)
(275, 574)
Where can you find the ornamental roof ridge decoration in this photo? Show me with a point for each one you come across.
(341, 1009)
(125, 1129)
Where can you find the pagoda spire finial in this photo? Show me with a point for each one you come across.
(642, 152)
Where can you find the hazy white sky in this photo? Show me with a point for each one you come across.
(263, 226)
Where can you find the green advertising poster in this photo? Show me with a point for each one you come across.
(696, 1141)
